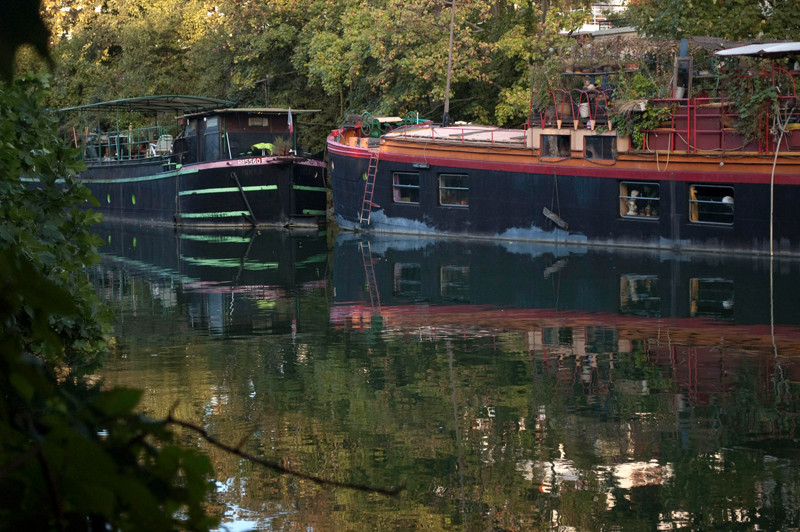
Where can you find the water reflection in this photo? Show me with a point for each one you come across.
(505, 387)
(231, 283)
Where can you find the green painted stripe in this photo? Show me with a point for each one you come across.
(321, 257)
(313, 189)
(230, 263)
(214, 214)
(227, 189)
(310, 211)
(163, 175)
(217, 238)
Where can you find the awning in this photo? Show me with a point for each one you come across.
(156, 104)
(765, 50)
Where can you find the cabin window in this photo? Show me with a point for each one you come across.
(711, 204)
(405, 187)
(453, 190)
(639, 199)
(556, 146)
(407, 279)
(257, 121)
(600, 147)
(711, 298)
(454, 283)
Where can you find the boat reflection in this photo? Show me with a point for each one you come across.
(231, 282)
(577, 310)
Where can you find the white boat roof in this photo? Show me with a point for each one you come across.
(765, 49)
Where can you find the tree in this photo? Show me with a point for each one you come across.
(71, 455)
(731, 19)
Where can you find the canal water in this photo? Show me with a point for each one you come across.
(496, 386)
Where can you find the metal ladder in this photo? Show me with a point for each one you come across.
(369, 187)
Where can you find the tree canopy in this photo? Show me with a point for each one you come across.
(727, 19)
(384, 56)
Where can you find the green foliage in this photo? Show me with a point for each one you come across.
(72, 457)
(636, 124)
(20, 24)
(729, 19)
(753, 97)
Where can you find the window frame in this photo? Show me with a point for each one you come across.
(718, 207)
(563, 146)
(397, 188)
(611, 149)
(455, 190)
(649, 206)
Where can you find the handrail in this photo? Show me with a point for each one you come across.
(124, 145)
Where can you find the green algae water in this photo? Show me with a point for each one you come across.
(497, 386)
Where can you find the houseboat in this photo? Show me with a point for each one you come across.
(209, 165)
(571, 175)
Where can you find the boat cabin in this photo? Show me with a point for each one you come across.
(234, 133)
(180, 130)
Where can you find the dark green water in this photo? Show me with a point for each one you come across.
(502, 387)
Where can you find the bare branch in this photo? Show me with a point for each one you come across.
(274, 465)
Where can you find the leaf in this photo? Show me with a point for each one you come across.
(118, 401)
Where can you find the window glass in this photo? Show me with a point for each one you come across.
(454, 190)
(600, 147)
(405, 187)
(639, 199)
(556, 146)
(711, 204)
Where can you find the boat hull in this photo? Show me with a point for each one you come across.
(261, 191)
(516, 195)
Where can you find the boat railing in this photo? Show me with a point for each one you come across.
(463, 135)
(589, 107)
(709, 125)
(695, 125)
(128, 144)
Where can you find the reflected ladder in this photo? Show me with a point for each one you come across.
(369, 271)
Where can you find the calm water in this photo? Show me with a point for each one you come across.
(502, 386)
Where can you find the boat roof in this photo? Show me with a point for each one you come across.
(465, 134)
(774, 49)
(156, 104)
(256, 110)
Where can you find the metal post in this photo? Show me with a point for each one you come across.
(446, 116)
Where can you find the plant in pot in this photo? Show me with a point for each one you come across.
(634, 112)
(752, 99)
(546, 77)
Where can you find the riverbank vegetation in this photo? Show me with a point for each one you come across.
(386, 56)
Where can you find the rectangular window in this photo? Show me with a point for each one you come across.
(454, 190)
(454, 282)
(556, 146)
(258, 121)
(405, 187)
(639, 199)
(600, 147)
(407, 279)
(711, 204)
